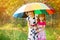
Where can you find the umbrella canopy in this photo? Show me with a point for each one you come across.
(38, 8)
(47, 12)
(20, 15)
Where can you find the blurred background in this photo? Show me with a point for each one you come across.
(17, 29)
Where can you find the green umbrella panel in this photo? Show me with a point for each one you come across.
(40, 12)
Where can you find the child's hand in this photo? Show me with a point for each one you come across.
(37, 31)
(35, 28)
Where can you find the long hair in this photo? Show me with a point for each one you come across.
(41, 15)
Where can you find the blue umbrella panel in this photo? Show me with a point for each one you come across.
(19, 15)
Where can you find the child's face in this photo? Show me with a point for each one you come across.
(30, 14)
(41, 18)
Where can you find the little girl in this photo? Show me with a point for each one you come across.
(41, 23)
(32, 35)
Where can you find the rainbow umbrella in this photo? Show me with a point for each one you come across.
(38, 8)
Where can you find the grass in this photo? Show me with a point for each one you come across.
(12, 35)
(21, 35)
(50, 34)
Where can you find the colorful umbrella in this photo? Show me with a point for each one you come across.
(44, 12)
(38, 8)
(20, 15)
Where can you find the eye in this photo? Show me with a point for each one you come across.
(34, 18)
(34, 22)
